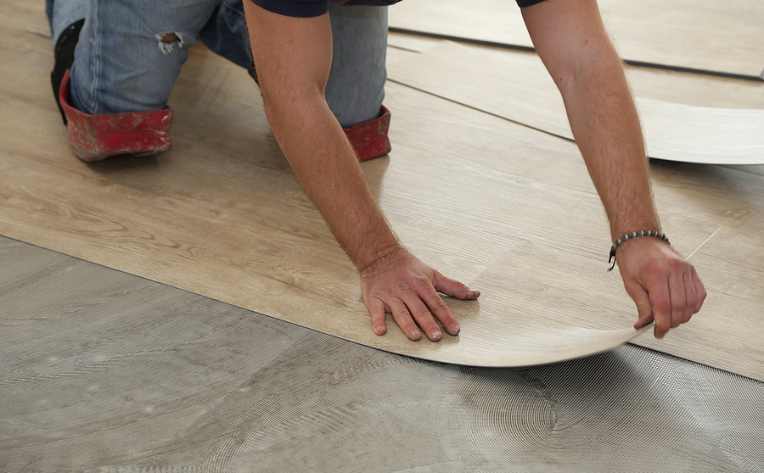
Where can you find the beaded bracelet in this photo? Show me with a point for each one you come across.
(630, 236)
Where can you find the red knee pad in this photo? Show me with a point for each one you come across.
(370, 138)
(96, 137)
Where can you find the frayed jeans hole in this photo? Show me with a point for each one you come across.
(168, 41)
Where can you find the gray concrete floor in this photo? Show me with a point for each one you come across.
(102, 371)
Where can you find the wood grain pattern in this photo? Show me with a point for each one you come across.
(106, 372)
(662, 84)
(693, 34)
(734, 199)
(221, 215)
(518, 87)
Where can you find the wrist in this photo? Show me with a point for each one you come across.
(628, 238)
(377, 251)
(634, 224)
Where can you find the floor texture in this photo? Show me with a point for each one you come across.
(107, 372)
(519, 88)
(103, 371)
(703, 35)
(161, 218)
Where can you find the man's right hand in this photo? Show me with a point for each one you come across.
(400, 284)
(294, 57)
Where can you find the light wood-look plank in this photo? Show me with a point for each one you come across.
(682, 87)
(703, 35)
(221, 215)
(518, 87)
(731, 261)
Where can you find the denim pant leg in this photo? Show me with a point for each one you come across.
(63, 13)
(356, 85)
(130, 51)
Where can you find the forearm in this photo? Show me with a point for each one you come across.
(294, 57)
(606, 126)
(326, 166)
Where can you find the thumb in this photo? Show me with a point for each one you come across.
(453, 288)
(642, 300)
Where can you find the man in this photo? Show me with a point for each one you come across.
(321, 67)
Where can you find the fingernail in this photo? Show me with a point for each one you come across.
(437, 335)
(475, 294)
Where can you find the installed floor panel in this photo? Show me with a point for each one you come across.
(518, 88)
(731, 260)
(688, 88)
(107, 372)
(216, 223)
(695, 34)
(211, 217)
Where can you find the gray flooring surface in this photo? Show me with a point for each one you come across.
(101, 371)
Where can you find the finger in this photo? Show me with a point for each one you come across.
(678, 298)
(644, 309)
(700, 289)
(453, 288)
(690, 295)
(403, 318)
(660, 299)
(376, 310)
(439, 308)
(423, 317)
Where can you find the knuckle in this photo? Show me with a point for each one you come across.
(424, 280)
(677, 264)
(403, 286)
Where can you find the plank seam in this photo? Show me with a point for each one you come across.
(631, 62)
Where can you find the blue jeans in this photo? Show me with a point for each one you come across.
(122, 64)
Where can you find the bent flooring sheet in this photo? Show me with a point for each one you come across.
(695, 34)
(506, 209)
(518, 87)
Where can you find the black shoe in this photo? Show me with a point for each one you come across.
(64, 57)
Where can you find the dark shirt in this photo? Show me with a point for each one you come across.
(306, 8)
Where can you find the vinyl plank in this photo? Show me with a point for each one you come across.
(662, 84)
(105, 371)
(732, 200)
(700, 35)
(668, 85)
(210, 217)
(518, 87)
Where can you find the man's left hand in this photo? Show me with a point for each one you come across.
(663, 285)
